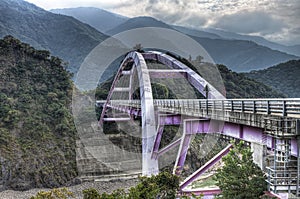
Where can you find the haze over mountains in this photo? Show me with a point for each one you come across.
(72, 39)
(100, 19)
(236, 51)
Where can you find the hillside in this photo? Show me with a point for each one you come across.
(64, 36)
(37, 134)
(239, 86)
(283, 77)
(100, 19)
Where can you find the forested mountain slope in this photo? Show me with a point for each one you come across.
(284, 77)
(62, 35)
(37, 134)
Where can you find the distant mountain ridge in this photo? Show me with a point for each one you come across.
(283, 77)
(138, 22)
(294, 50)
(64, 36)
(100, 19)
(238, 55)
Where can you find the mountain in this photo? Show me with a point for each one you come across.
(37, 133)
(196, 33)
(64, 36)
(283, 77)
(100, 19)
(138, 22)
(294, 50)
(240, 55)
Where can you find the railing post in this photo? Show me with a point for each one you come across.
(222, 105)
(298, 156)
(242, 106)
(254, 106)
(284, 108)
(268, 108)
(206, 106)
(232, 109)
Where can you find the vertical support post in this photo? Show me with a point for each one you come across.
(284, 108)
(183, 149)
(254, 106)
(241, 131)
(275, 173)
(268, 108)
(242, 106)
(160, 130)
(232, 109)
(206, 106)
(298, 157)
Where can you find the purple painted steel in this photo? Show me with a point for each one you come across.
(247, 133)
(181, 156)
(205, 167)
(188, 131)
(169, 147)
(169, 119)
(112, 90)
(157, 142)
(196, 80)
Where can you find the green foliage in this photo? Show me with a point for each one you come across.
(62, 193)
(283, 77)
(239, 86)
(163, 186)
(240, 177)
(90, 193)
(36, 124)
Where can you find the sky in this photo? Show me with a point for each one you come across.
(276, 20)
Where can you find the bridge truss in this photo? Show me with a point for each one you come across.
(272, 123)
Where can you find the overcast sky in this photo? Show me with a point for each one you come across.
(276, 20)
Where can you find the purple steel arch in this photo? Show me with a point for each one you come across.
(194, 79)
(149, 165)
(149, 132)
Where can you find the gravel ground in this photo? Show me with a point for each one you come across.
(77, 189)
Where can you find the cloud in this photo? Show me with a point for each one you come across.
(277, 20)
(250, 22)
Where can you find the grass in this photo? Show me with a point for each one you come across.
(204, 183)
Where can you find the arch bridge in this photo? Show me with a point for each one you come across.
(272, 126)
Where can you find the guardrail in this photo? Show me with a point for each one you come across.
(282, 107)
(278, 107)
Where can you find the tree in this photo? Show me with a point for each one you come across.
(162, 186)
(240, 177)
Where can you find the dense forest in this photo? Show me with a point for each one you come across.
(240, 86)
(283, 77)
(37, 134)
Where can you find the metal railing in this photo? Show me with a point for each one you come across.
(276, 107)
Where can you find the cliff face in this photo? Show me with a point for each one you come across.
(37, 134)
